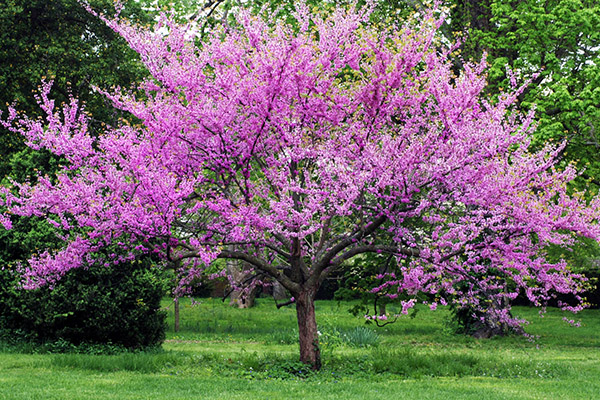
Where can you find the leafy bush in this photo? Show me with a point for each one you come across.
(116, 304)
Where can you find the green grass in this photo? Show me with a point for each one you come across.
(222, 352)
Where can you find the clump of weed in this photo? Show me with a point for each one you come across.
(288, 369)
(361, 336)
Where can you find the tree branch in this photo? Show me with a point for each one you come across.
(320, 265)
(398, 250)
(263, 266)
(287, 303)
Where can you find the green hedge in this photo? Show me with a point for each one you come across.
(118, 305)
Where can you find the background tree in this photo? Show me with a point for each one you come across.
(559, 40)
(304, 145)
(62, 40)
(58, 39)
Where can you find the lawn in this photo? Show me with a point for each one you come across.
(226, 353)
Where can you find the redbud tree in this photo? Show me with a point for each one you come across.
(295, 144)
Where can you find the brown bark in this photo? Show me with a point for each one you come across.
(307, 329)
(176, 311)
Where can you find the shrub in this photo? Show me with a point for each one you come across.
(117, 304)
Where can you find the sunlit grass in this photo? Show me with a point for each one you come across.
(222, 352)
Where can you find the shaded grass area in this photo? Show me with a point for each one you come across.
(225, 352)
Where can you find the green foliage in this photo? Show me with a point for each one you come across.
(272, 367)
(559, 40)
(584, 255)
(59, 39)
(115, 304)
(363, 275)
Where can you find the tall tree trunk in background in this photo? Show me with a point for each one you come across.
(279, 292)
(176, 312)
(239, 297)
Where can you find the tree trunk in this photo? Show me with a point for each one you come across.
(307, 330)
(279, 292)
(176, 312)
(241, 298)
